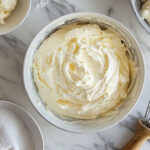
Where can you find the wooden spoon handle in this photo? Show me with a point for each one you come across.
(135, 143)
(141, 135)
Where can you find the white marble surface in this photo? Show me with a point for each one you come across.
(12, 50)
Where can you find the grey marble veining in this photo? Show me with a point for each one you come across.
(12, 51)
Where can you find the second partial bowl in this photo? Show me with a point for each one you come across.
(136, 5)
(17, 17)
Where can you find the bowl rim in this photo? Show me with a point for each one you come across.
(20, 23)
(28, 114)
(139, 18)
(76, 14)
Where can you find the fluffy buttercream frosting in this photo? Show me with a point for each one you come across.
(82, 71)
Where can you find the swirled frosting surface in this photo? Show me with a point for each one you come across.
(82, 71)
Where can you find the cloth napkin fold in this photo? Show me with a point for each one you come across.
(13, 133)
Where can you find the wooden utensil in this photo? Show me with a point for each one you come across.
(142, 132)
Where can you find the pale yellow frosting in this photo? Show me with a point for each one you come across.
(6, 8)
(82, 71)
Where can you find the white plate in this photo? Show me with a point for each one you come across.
(29, 122)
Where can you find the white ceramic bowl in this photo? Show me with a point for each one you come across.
(136, 5)
(76, 125)
(17, 17)
(28, 121)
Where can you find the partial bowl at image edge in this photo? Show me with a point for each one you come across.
(17, 17)
(136, 7)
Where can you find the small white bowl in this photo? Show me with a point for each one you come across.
(29, 122)
(77, 125)
(17, 17)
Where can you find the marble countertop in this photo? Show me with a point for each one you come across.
(12, 50)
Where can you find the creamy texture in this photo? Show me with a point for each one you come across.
(6, 8)
(82, 71)
(145, 11)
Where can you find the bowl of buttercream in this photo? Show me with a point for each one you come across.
(83, 72)
(12, 14)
